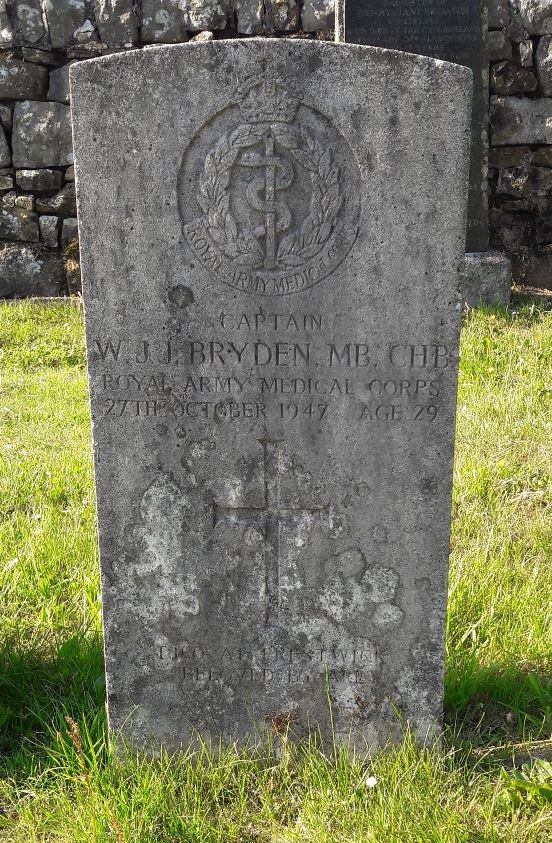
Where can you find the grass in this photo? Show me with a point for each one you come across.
(59, 780)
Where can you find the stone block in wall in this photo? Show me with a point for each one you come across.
(63, 204)
(250, 16)
(526, 54)
(116, 22)
(71, 263)
(500, 48)
(24, 201)
(534, 269)
(543, 231)
(514, 205)
(543, 61)
(29, 23)
(208, 14)
(525, 182)
(542, 157)
(6, 27)
(506, 77)
(73, 277)
(58, 90)
(6, 116)
(163, 22)
(68, 23)
(6, 182)
(5, 154)
(501, 157)
(20, 80)
(69, 231)
(510, 230)
(536, 16)
(41, 135)
(49, 231)
(19, 200)
(29, 270)
(498, 14)
(203, 37)
(317, 15)
(39, 181)
(18, 224)
(516, 31)
(517, 120)
(45, 57)
(89, 50)
(282, 15)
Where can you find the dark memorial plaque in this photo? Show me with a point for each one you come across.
(446, 30)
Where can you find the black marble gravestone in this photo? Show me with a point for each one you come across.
(444, 29)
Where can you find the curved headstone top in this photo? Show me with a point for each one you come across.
(271, 233)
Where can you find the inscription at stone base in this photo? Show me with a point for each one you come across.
(272, 339)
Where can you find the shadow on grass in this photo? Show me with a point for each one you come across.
(528, 296)
(498, 702)
(37, 693)
(483, 704)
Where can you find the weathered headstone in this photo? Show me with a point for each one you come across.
(271, 233)
(445, 29)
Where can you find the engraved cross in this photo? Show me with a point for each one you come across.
(269, 516)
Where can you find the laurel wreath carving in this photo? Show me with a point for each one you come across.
(215, 202)
(326, 198)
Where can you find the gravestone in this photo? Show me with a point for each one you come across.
(445, 29)
(271, 232)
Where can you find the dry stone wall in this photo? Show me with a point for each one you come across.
(520, 159)
(39, 39)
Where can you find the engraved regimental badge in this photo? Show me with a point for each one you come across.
(269, 192)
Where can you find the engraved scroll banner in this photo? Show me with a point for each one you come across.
(271, 232)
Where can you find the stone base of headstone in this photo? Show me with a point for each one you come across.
(487, 279)
(533, 268)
